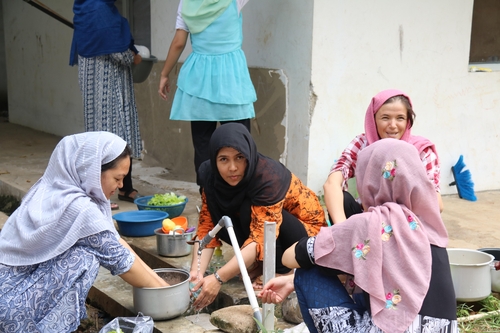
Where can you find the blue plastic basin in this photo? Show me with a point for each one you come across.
(139, 223)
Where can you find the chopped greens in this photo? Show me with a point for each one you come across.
(167, 199)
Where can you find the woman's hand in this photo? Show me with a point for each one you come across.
(193, 276)
(277, 289)
(174, 52)
(164, 87)
(210, 288)
(137, 59)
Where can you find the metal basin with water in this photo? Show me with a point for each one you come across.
(165, 302)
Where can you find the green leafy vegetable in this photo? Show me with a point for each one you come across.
(167, 199)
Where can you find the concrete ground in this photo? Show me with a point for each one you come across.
(24, 154)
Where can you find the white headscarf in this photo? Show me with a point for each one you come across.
(66, 204)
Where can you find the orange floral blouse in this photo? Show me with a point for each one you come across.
(299, 200)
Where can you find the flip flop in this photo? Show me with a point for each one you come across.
(127, 197)
(114, 206)
(258, 283)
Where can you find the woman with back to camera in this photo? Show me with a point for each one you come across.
(395, 250)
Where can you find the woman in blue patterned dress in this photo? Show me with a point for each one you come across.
(214, 83)
(52, 246)
(104, 50)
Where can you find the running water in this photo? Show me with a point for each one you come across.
(195, 294)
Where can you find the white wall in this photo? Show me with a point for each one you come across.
(358, 48)
(42, 88)
(278, 36)
(421, 47)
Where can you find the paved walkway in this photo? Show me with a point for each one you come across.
(24, 154)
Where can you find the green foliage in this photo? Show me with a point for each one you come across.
(491, 303)
(489, 308)
(463, 310)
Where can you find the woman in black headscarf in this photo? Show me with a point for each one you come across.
(250, 188)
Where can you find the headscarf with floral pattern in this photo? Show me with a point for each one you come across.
(387, 248)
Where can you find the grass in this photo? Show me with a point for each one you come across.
(485, 323)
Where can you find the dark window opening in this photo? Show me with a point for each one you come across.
(485, 33)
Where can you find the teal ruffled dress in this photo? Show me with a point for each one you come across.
(214, 83)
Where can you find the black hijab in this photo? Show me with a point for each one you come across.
(264, 183)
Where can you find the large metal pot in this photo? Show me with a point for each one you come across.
(470, 272)
(165, 302)
(173, 245)
(495, 275)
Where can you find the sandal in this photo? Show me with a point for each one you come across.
(258, 283)
(114, 206)
(127, 197)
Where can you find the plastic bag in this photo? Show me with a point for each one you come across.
(139, 324)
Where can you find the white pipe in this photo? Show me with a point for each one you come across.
(244, 273)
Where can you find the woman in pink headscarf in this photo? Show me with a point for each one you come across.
(389, 115)
(395, 250)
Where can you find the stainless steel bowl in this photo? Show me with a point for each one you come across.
(173, 245)
(165, 302)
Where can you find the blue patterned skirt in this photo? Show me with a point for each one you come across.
(50, 297)
(108, 97)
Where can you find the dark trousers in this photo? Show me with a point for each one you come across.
(291, 231)
(351, 206)
(201, 132)
(319, 287)
(316, 288)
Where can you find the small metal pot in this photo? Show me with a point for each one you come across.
(495, 275)
(165, 302)
(173, 245)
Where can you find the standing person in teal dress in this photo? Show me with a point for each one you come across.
(214, 83)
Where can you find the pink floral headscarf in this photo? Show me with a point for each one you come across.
(371, 127)
(387, 248)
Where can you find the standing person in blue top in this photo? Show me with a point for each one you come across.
(214, 83)
(104, 50)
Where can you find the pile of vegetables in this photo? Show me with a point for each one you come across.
(167, 199)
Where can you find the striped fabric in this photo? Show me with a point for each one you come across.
(66, 204)
(347, 162)
(344, 320)
(108, 97)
